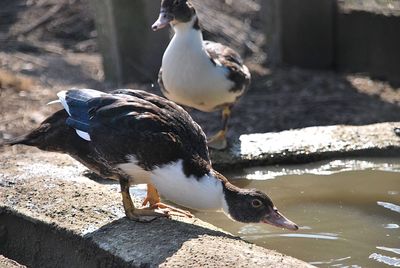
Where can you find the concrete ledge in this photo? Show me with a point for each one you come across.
(310, 144)
(52, 216)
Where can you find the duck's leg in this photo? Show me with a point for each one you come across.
(141, 215)
(153, 199)
(218, 141)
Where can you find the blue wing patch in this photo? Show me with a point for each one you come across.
(83, 126)
(76, 103)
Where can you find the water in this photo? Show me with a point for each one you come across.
(348, 217)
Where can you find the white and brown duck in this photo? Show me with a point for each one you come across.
(136, 137)
(204, 75)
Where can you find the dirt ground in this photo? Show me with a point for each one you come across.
(48, 45)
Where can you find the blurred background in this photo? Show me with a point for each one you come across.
(313, 62)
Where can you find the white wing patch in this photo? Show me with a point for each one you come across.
(83, 135)
(53, 102)
(61, 96)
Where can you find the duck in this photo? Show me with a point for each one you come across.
(197, 73)
(133, 136)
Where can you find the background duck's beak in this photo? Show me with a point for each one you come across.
(277, 219)
(163, 20)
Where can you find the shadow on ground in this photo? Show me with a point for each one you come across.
(37, 244)
(163, 239)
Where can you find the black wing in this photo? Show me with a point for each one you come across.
(152, 129)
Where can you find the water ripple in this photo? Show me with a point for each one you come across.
(312, 236)
(323, 168)
(331, 261)
(391, 226)
(395, 262)
(394, 250)
(390, 206)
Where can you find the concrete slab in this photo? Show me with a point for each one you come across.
(53, 216)
(310, 144)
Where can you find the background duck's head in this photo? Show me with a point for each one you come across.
(174, 12)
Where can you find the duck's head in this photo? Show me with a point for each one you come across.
(174, 12)
(253, 206)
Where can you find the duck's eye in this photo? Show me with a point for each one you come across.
(256, 203)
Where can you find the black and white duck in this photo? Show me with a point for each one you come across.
(137, 137)
(204, 75)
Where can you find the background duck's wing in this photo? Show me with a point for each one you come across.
(218, 51)
(238, 72)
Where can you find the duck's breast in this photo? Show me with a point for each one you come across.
(192, 79)
(204, 193)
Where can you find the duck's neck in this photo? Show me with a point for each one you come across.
(230, 193)
(188, 32)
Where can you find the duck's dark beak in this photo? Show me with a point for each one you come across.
(163, 20)
(277, 219)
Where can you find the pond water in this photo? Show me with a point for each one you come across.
(348, 211)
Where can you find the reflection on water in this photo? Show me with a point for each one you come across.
(346, 218)
(392, 261)
(394, 250)
(322, 168)
(315, 236)
(391, 226)
(390, 206)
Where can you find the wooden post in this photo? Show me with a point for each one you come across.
(131, 51)
(369, 42)
(300, 32)
(270, 13)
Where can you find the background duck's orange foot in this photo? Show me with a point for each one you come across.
(218, 141)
